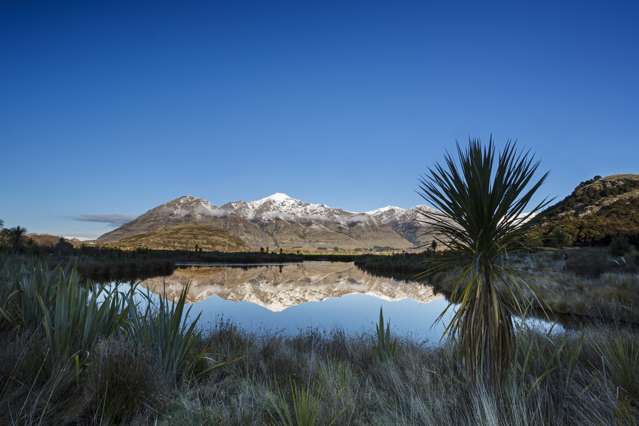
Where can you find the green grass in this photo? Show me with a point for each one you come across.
(153, 367)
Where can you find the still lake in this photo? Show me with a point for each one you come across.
(324, 296)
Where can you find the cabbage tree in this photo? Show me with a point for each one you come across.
(482, 212)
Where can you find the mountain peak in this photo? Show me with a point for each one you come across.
(190, 205)
(278, 196)
(385, 209)
(185, 199)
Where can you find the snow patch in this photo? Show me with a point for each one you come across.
(281, 206)
(384, 210)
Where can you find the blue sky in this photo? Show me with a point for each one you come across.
(111, 109)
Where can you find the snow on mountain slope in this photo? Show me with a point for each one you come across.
(383, 210)
(408, 223)
(276, 206)
(283, 221)
(393, 213)
(389, 214)
(189, 205)
(284, 207)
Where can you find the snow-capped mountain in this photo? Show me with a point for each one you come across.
(278, 220)
(406, 222)
(189, 206)
(285, 207)
(390, 214)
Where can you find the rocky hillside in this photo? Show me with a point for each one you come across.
(406, 222)
(181, 237)
(597, 210)
(277, 221)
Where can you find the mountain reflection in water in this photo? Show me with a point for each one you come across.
(278, 287)
(292, 297)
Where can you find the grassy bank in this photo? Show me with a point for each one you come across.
(583, 282)
(407, 266)
(65, 358)
(109, 264)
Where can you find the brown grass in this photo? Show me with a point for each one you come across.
(182, 237)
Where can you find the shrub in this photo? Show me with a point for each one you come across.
(620, 355)
(619, 246)
(588, 263)
(122, 381)
(22, 357)
(533, 240)
(559, 238)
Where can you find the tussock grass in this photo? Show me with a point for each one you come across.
(228, 376)
(552, 287)
(299, 408)
(123, 381)
(555, 379)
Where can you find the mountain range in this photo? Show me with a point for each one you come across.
(598, 210)
(274, 222)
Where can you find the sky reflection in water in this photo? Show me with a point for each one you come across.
(319, 295)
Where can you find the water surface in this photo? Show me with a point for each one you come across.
(310, 295)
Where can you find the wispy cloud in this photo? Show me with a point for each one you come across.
(110, 219)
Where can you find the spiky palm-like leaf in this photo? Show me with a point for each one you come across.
(386, 345)
(481, 214)
(168, 330)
